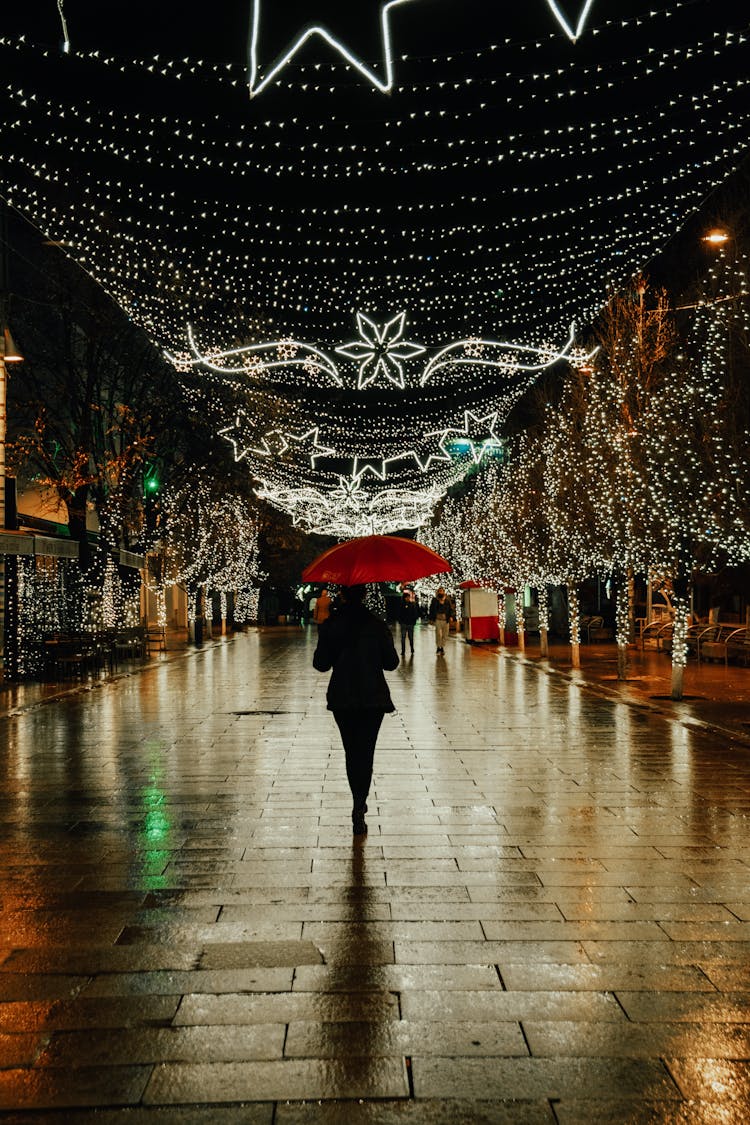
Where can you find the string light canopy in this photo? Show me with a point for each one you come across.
(519, 164)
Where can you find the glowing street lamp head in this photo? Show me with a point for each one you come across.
(11, 353)
(718, 236)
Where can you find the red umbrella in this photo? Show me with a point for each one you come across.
(470, 585)
(375, 558)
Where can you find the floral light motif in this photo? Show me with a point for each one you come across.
(380, 350)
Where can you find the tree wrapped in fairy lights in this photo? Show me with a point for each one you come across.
(211, 545)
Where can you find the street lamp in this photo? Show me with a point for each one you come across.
(716, 237)
(9, 353)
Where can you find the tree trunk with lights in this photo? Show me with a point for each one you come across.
(681, 583)
(574, 617)
(77, 507)
(620, 590)
(520, 620)
(543, 600)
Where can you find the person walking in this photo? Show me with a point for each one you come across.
(407, 618)
(322, 609)
(356, 646)
(441, 615)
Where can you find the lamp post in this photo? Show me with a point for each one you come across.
(9, 353)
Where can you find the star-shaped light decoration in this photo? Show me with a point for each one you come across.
(478, 434)
(380, 350)
(306, 445)
(242, 444)
(374, 466)
(431, 449)
(572, 33)
(260, 75)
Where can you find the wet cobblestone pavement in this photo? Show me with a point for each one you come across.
(548, 922)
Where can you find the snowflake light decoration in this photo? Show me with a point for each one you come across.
(381, 349)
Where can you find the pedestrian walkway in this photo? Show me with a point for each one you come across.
(548, 921)
(716, 695)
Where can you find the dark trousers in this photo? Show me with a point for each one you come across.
(407, 631)
(359, 728)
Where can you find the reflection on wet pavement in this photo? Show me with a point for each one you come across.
(547, 922)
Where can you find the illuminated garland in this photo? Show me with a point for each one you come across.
(483, 231)
(554, 102)
(301, 469)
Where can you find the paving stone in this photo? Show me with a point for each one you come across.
(690, 1006)
(18, 1050)
(540, 1078)
(98, 1012)
(176, 984)
(475, 952)
(284, 1007)
(88, 959)
(39, 986)
(637, 1040)
(242, 1114)
(307, 912)
(175, 1084)
(445, 1037)
(427, 1112)
(502, 1005)
(637, 1112)
(395, 978)
(163, 1044)
(608, 976)
(36, 1089)
(244, 954)
(709, 1079)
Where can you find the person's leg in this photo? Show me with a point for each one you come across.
(359, 734)
(404, 633)
(410, 635)
(441, 628)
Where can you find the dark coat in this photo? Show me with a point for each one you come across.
(408, 614)
(356, 646)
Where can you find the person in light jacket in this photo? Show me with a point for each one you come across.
(441, 615)
(356, 646)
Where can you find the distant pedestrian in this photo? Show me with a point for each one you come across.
(322, 609)
(441, 615)
(355, 646)
(407, 618)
